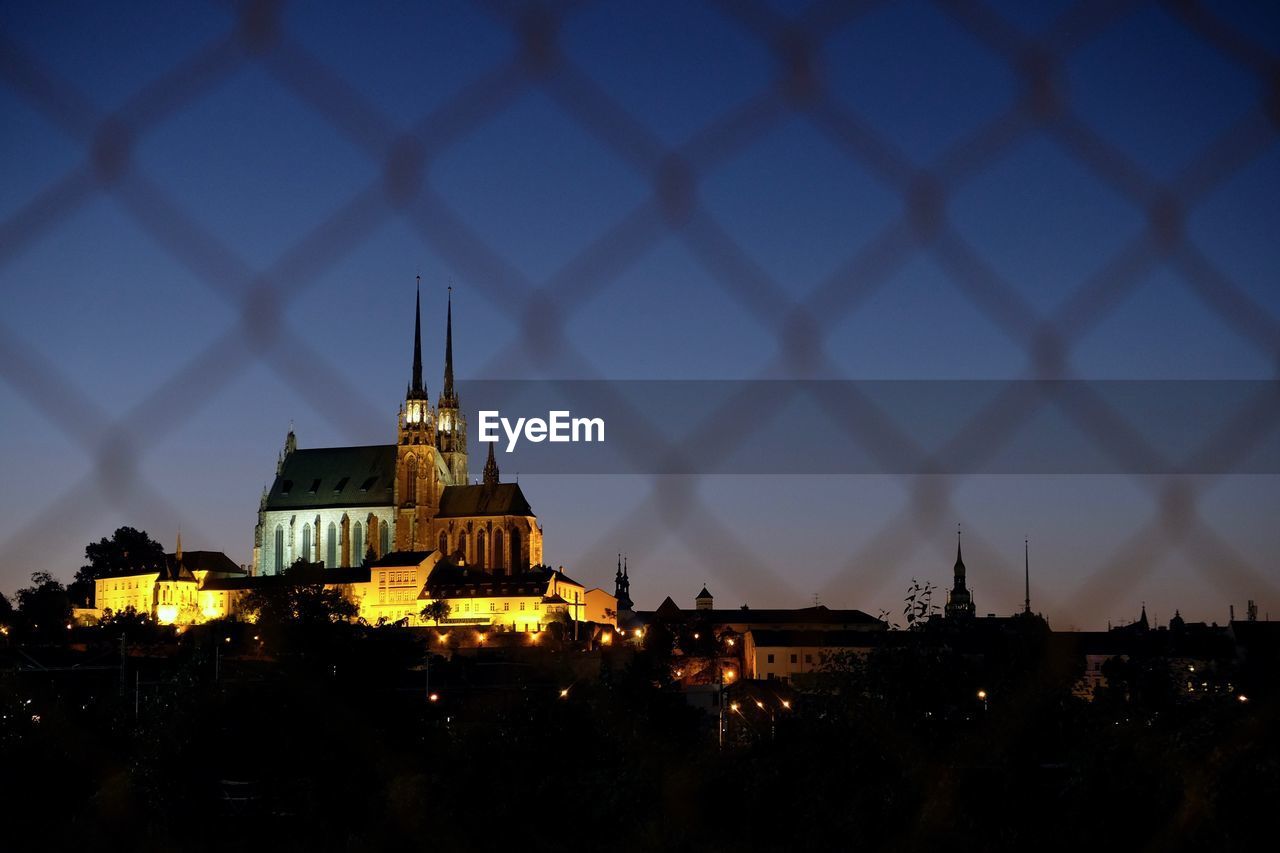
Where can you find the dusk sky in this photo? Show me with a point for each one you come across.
(104, 306)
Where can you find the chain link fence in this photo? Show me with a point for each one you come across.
(542, 309)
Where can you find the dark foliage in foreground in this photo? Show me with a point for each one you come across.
(331, 743)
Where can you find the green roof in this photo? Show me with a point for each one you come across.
(335, 477)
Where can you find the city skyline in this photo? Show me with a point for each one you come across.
(134, 332)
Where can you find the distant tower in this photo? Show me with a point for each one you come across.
(704, 601)
(417, 490)
(451, 426)
(1026, 575)
(959, 599)
(622, 588)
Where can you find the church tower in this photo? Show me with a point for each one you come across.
(417, 487)
(451, 426)
(622, 588)
(959, 599)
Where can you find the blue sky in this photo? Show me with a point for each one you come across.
(102, 298)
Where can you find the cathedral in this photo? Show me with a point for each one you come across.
(348, 506)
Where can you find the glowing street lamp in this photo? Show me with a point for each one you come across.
(434, 697)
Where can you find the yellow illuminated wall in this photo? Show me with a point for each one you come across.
(120, 593)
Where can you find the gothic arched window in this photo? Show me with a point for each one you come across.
(444, 543)
(277, 561)
(515, 550)
(331, 546)
(357, 544)
(411, 484)
(480, 560)
(306, 542)
(385, 533)
(499, 556)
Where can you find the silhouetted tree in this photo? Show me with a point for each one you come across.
(44, 607)
(299, 596)
(437, 610)
(918, 605)
(127, 550)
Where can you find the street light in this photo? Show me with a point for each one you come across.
(434, 697)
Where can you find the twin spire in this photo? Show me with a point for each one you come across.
(417, 390)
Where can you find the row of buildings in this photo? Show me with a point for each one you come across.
(405, 535)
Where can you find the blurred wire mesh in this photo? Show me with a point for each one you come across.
(541, 309)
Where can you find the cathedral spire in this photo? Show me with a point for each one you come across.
(491, 468)
(415, 387)
(448, 394)
(178, 551)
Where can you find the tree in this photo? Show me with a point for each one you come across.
(436, 611)
(918, 605)
(128, 550)
(44, 607)
(299, 595)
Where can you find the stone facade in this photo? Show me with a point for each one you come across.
(344, 507)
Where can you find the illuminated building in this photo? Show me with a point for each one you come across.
(170, 591)
(523, 602)
(344, 506)
(393, 527)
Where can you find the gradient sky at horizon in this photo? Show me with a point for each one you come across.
(100, 298)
